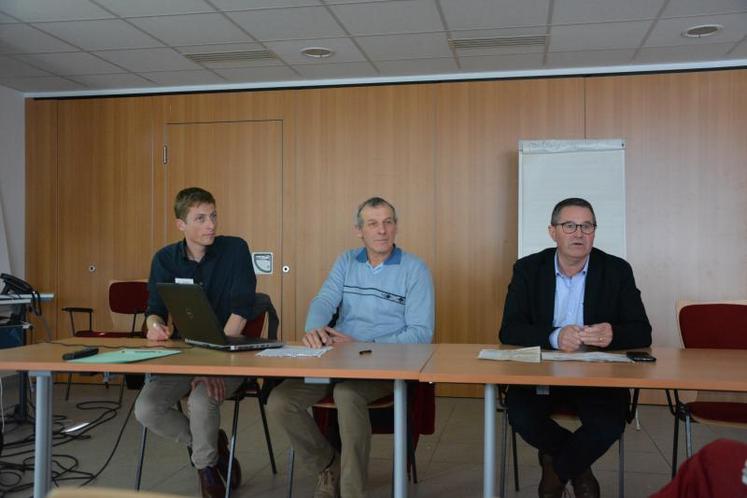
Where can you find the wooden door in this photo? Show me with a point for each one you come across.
(240, 163)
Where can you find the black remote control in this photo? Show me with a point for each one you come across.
(81, 353)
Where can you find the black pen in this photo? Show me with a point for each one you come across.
(365, 351)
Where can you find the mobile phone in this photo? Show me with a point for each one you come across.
(640, 356)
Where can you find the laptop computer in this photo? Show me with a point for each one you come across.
(197, 323)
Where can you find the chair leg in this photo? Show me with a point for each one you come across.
(270, 452)
(621, 467)
(688, 435)
(232, 447)
(139, 472)
(121, 390)
(504, 445)
(69, 382)
(675, 442)
(291, 461)
(411, 457)
(516, 460)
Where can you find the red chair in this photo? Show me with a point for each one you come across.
(262, 310)
(126, 298)
(717, 325)
(421, 420)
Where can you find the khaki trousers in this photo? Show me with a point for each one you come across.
(288, 407)
(155, 409)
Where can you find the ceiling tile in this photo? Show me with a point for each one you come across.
(417, 66)
(181, 78)
(71, 63)
(601, 36)
(740, 50)
(582, 11)
(690, 53)
(57, 10)
(153, 59)
(390, 17)
(668, 32)
(246, 74)
(344, 70)
(501, 62)
(261, 4)
(588, 58)
(284, 24)
(341, 2)
(5, 19)
(124, 80)
(135, 8)
(477, 14)
(392, 47)
(41, 84)
(100, 35)
(10, 68)
(192, 29)
(290, 50)
(698, 7)
(22, 38)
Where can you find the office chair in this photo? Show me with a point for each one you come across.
(262, 310)
(126, 298)
(715, 325)
(560, 411)
(421, 417)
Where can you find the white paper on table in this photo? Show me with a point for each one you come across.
(587, 356)
(526, 355)
(294, 352)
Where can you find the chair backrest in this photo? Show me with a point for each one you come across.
(720, 325)
(262, 308)
(128, 297)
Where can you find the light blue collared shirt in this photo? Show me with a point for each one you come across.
(569, 300)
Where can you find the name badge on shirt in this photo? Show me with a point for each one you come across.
(178, 280)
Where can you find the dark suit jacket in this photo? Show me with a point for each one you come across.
(610, 296)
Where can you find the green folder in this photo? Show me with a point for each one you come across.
(127, 355)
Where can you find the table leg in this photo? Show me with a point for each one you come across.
(488, 484)
(43, 436)
(400, 439)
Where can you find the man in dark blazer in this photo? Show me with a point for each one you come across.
(572, 297)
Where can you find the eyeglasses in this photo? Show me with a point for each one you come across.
(569, 227)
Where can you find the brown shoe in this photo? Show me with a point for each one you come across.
(328, 485)
(211, 483)
(585, 485)
(224, 454)
(550, 485)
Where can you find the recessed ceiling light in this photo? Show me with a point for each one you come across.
(702, 30)
(317, 52)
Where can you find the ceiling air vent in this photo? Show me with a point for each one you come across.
(499, 42)
(223, 57)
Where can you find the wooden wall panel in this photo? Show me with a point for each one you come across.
(355, 143)
(104, 200)
(478, 126)
(41, 205)
(686, 174)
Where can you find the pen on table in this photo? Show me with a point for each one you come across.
(365, 351)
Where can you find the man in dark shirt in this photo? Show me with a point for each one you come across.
(571, 297)
(222, 266)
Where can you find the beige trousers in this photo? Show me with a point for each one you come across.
(288, 407)
(155, 409)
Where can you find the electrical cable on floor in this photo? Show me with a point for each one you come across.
(64, 467)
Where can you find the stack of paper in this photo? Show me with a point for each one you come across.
(526, 355)
(587, 356)
(294, 352)
(127, 355)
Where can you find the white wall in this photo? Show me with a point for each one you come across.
(12, 179)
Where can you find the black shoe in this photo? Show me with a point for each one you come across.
(585, 485)
(211, 483)
(550, 486)
(223, 455)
